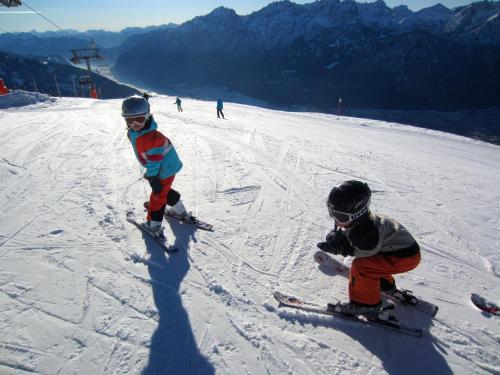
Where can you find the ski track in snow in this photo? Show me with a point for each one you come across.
(82, 291)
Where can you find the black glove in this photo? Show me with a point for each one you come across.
(155, 183)
(337, 243)
(324, 246)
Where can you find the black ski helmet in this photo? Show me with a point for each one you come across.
(349, 201)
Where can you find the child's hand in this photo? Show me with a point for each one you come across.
(324, 246)
(335, 239)
(337, 243)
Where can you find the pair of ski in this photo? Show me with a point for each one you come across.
(162, 241)
(188, 219)
(391, 323)
(386, 321)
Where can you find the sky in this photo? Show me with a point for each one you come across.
(115, 15)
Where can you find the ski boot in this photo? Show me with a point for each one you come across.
(376, 312)
(179, 212)
(155, 228)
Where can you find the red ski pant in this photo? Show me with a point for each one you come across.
(158, 202)
(365, 275)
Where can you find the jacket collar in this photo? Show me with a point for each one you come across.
(151, 125)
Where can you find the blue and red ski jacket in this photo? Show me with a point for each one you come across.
(154, 151)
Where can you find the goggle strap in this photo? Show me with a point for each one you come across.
(351, 216)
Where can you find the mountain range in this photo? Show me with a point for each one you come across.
(33, 61)
(52, 43)
(370, 55)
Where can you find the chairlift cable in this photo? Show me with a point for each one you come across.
(24, 3)
(53, 23)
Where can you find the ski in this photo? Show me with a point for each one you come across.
(162, 243)
(402, 296)
(391, 323)
(189, 219)
(484, 305)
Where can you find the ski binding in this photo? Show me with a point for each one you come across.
(160, 241)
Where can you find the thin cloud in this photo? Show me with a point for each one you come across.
(18, 12)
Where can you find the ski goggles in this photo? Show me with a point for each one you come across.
(346, 217)
(139, 119)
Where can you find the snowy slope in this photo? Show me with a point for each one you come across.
(81, 291)
(21, 98)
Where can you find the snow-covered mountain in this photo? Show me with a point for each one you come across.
(31, 44)
(104, 38)
(367, 53)
(50, 43)
(56, 46)
(81, 290)
(32, 73)
(433, 18)
(476, 22)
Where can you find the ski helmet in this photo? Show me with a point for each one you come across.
(349, 201)
(135, 106)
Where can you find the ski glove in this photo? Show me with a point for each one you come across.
(324, 246)
(337, 243)
(155, 183)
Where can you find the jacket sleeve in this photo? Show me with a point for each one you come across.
(152, 148)
(365, 239)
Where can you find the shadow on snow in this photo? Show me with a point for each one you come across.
(173, 347)
(399, 354)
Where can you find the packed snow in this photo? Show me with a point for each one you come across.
(20, 98)
(82, 292)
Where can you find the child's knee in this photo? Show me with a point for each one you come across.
(173, 197)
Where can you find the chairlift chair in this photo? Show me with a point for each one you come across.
(85, 80)
(11, 3)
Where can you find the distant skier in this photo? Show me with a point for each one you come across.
(220, 106)
(156, 153)
(381, 247)
(93, 92)
(3, 88)
(178, 101)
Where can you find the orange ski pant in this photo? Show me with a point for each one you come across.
(158, 202)
(365, 275)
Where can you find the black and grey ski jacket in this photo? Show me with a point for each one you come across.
(380, 234)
